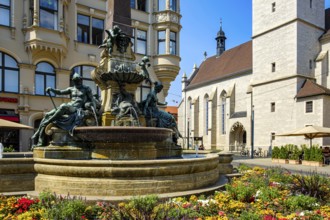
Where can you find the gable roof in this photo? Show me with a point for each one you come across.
(234, 61)
(310, 88)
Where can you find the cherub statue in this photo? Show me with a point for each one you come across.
(144, 64)
(109, 42)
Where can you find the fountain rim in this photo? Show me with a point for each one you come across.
(120, 128)
(154, 162)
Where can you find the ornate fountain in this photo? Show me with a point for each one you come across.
(132, 152)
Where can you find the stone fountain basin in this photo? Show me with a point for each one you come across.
(118, 134)
(125, 177)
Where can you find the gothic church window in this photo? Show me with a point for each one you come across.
(48, 14)
(9, 73)
(223, 115)
(5, 12)
(44, 77)
(206, 115)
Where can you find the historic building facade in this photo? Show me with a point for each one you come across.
(273, 84)
(44, 41)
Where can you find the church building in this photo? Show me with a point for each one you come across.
(275, 83)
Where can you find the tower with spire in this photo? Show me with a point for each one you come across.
(221, 40)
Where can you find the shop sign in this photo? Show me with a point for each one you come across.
(7, 99)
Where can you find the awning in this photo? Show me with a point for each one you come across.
(10, 118)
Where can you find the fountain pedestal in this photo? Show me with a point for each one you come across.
(110, 143)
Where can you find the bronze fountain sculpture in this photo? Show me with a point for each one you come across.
(133, 152)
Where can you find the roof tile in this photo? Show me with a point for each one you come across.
(235, 60)
(311, 88)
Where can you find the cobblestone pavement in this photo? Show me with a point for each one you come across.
(267, 162)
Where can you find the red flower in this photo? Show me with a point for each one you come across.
(252, 199)
(269, 217)
(221, 213)
(23, 204)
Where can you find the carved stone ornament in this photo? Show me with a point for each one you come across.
(123, 43)
(161, 17)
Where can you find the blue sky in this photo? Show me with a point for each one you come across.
(200, 24)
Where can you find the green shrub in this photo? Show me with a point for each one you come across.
(9, 149)
(275, 152)
(241, 191)
(243, 168)
(284, 153)
(277, 174)
(246, 215)
(314, 153)
(267, 194)
(142, 205)
(301, 202)
(307, 154)
(313, 185)
(295, 153)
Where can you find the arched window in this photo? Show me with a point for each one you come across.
(223, 115)
(85, 72)
(9, 73)
(206, 114)
(44, 77)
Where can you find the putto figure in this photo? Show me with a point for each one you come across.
(115, 36)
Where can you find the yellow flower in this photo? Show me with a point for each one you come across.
(193, 198)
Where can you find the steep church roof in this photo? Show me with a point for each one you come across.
(310, 88)
(230, 63)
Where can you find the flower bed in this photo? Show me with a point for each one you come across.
(272, 194)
